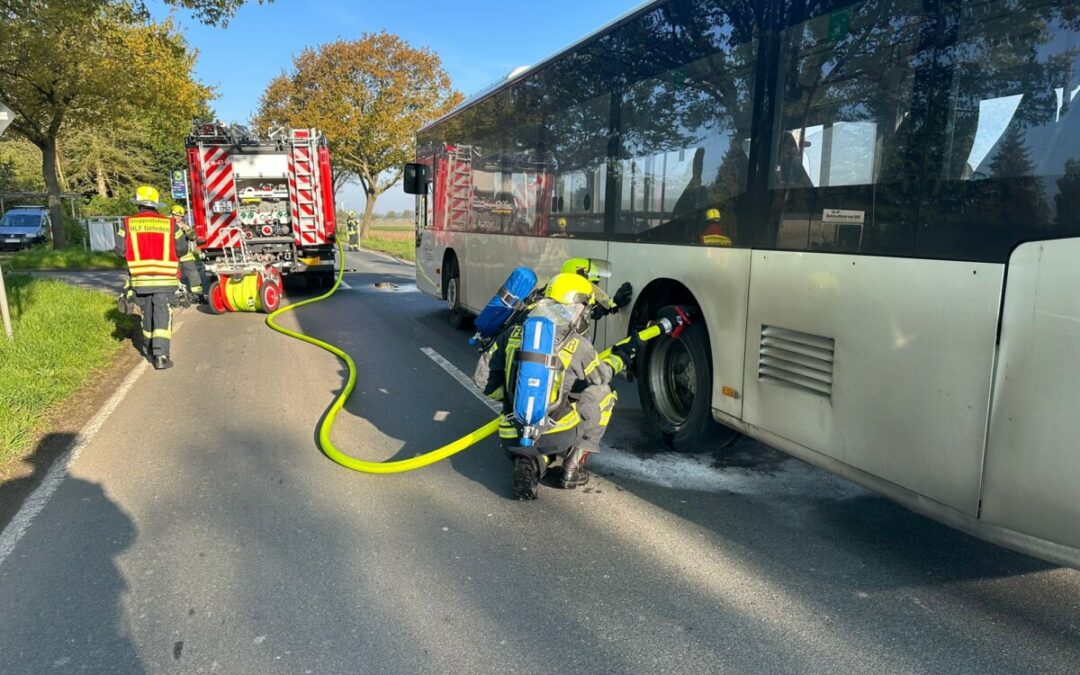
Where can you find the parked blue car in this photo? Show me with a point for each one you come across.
(24, 226)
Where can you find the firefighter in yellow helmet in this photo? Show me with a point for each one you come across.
(152, 245)
(581, 399)
(713, 233)
(190, 267)
(352, 229)
(594, 270)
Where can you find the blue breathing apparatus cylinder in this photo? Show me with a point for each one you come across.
(537, 369)
(506, 301)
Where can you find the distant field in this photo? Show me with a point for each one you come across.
(392, 225)
(400, 247)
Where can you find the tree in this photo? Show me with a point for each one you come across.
(369, 96)
(89, 63)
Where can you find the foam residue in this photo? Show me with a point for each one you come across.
(702, 472)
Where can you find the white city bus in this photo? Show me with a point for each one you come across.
(874, 207)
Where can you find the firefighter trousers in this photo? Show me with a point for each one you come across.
(156, 321)
(593, 408)
(193, 276)
(354, 240)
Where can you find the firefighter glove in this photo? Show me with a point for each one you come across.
(623, 295)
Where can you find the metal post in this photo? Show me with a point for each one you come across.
(4, 308)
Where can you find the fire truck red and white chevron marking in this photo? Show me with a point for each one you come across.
(220, 186)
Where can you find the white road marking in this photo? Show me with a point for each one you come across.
(58, 471)
(463, 379)
(345, 285)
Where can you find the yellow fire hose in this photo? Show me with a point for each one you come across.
(327, 425)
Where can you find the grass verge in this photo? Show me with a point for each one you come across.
(63, 335)
(43, 258)
(402, 248)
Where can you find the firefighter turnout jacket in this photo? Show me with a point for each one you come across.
(152, 245)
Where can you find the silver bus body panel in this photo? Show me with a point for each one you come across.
(1017, 541)
(1032, 475)
(910, 375)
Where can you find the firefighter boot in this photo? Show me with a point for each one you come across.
(527, 472)
(162, 362)
(574, 472)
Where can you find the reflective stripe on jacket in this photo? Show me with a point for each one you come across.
(152, 249)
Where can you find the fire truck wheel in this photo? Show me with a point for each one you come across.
(270, 296)
(216, 297)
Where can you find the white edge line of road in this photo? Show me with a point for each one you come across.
(345, 285)
(462, 378)
(40, 497)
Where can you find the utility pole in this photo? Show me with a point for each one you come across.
(6, 116)
(4, 308)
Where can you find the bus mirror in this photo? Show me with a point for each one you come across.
(416, 178)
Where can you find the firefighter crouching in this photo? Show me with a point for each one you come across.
(190, 267)
(152, 246)
(581, 399)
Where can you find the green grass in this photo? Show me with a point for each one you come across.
(392, 226)
(402, 248)
(63, 335)
(43, 258)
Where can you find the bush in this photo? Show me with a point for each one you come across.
(62, 335)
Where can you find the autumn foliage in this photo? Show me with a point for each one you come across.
(369, 96)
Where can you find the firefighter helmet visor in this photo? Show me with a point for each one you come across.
(592, 269)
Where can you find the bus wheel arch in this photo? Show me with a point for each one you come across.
(674, 375)
(451, 288)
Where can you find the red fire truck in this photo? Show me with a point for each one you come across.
(275, 194)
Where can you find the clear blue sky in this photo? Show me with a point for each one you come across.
(479, 41)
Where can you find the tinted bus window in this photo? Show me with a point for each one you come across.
(575, 138)
(1007, 130)
(847, 140)
(682, 112)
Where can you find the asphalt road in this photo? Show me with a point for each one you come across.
(202, 531)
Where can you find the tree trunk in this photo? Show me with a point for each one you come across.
(52, 188)
(99, 174)
(369, 210)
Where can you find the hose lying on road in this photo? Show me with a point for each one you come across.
(401, 465)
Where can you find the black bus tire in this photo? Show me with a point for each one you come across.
(674, 377)
(452, 293)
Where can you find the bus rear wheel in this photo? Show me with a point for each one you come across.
(675, 385)
(452, 293)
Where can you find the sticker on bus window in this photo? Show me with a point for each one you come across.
(843, 216)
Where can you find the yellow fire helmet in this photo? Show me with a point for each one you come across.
(569, 289)
(147, 196)
(178, 210)
(561, 222)
(712, 214)
(592, 269)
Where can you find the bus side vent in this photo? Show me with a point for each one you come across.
(795, 359)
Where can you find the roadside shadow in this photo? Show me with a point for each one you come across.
(28, 473)
(64, 612)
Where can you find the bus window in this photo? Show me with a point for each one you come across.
(845, 142)
(1006, 146)
(682, 123)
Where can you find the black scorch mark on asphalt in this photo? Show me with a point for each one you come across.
(177, 649)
